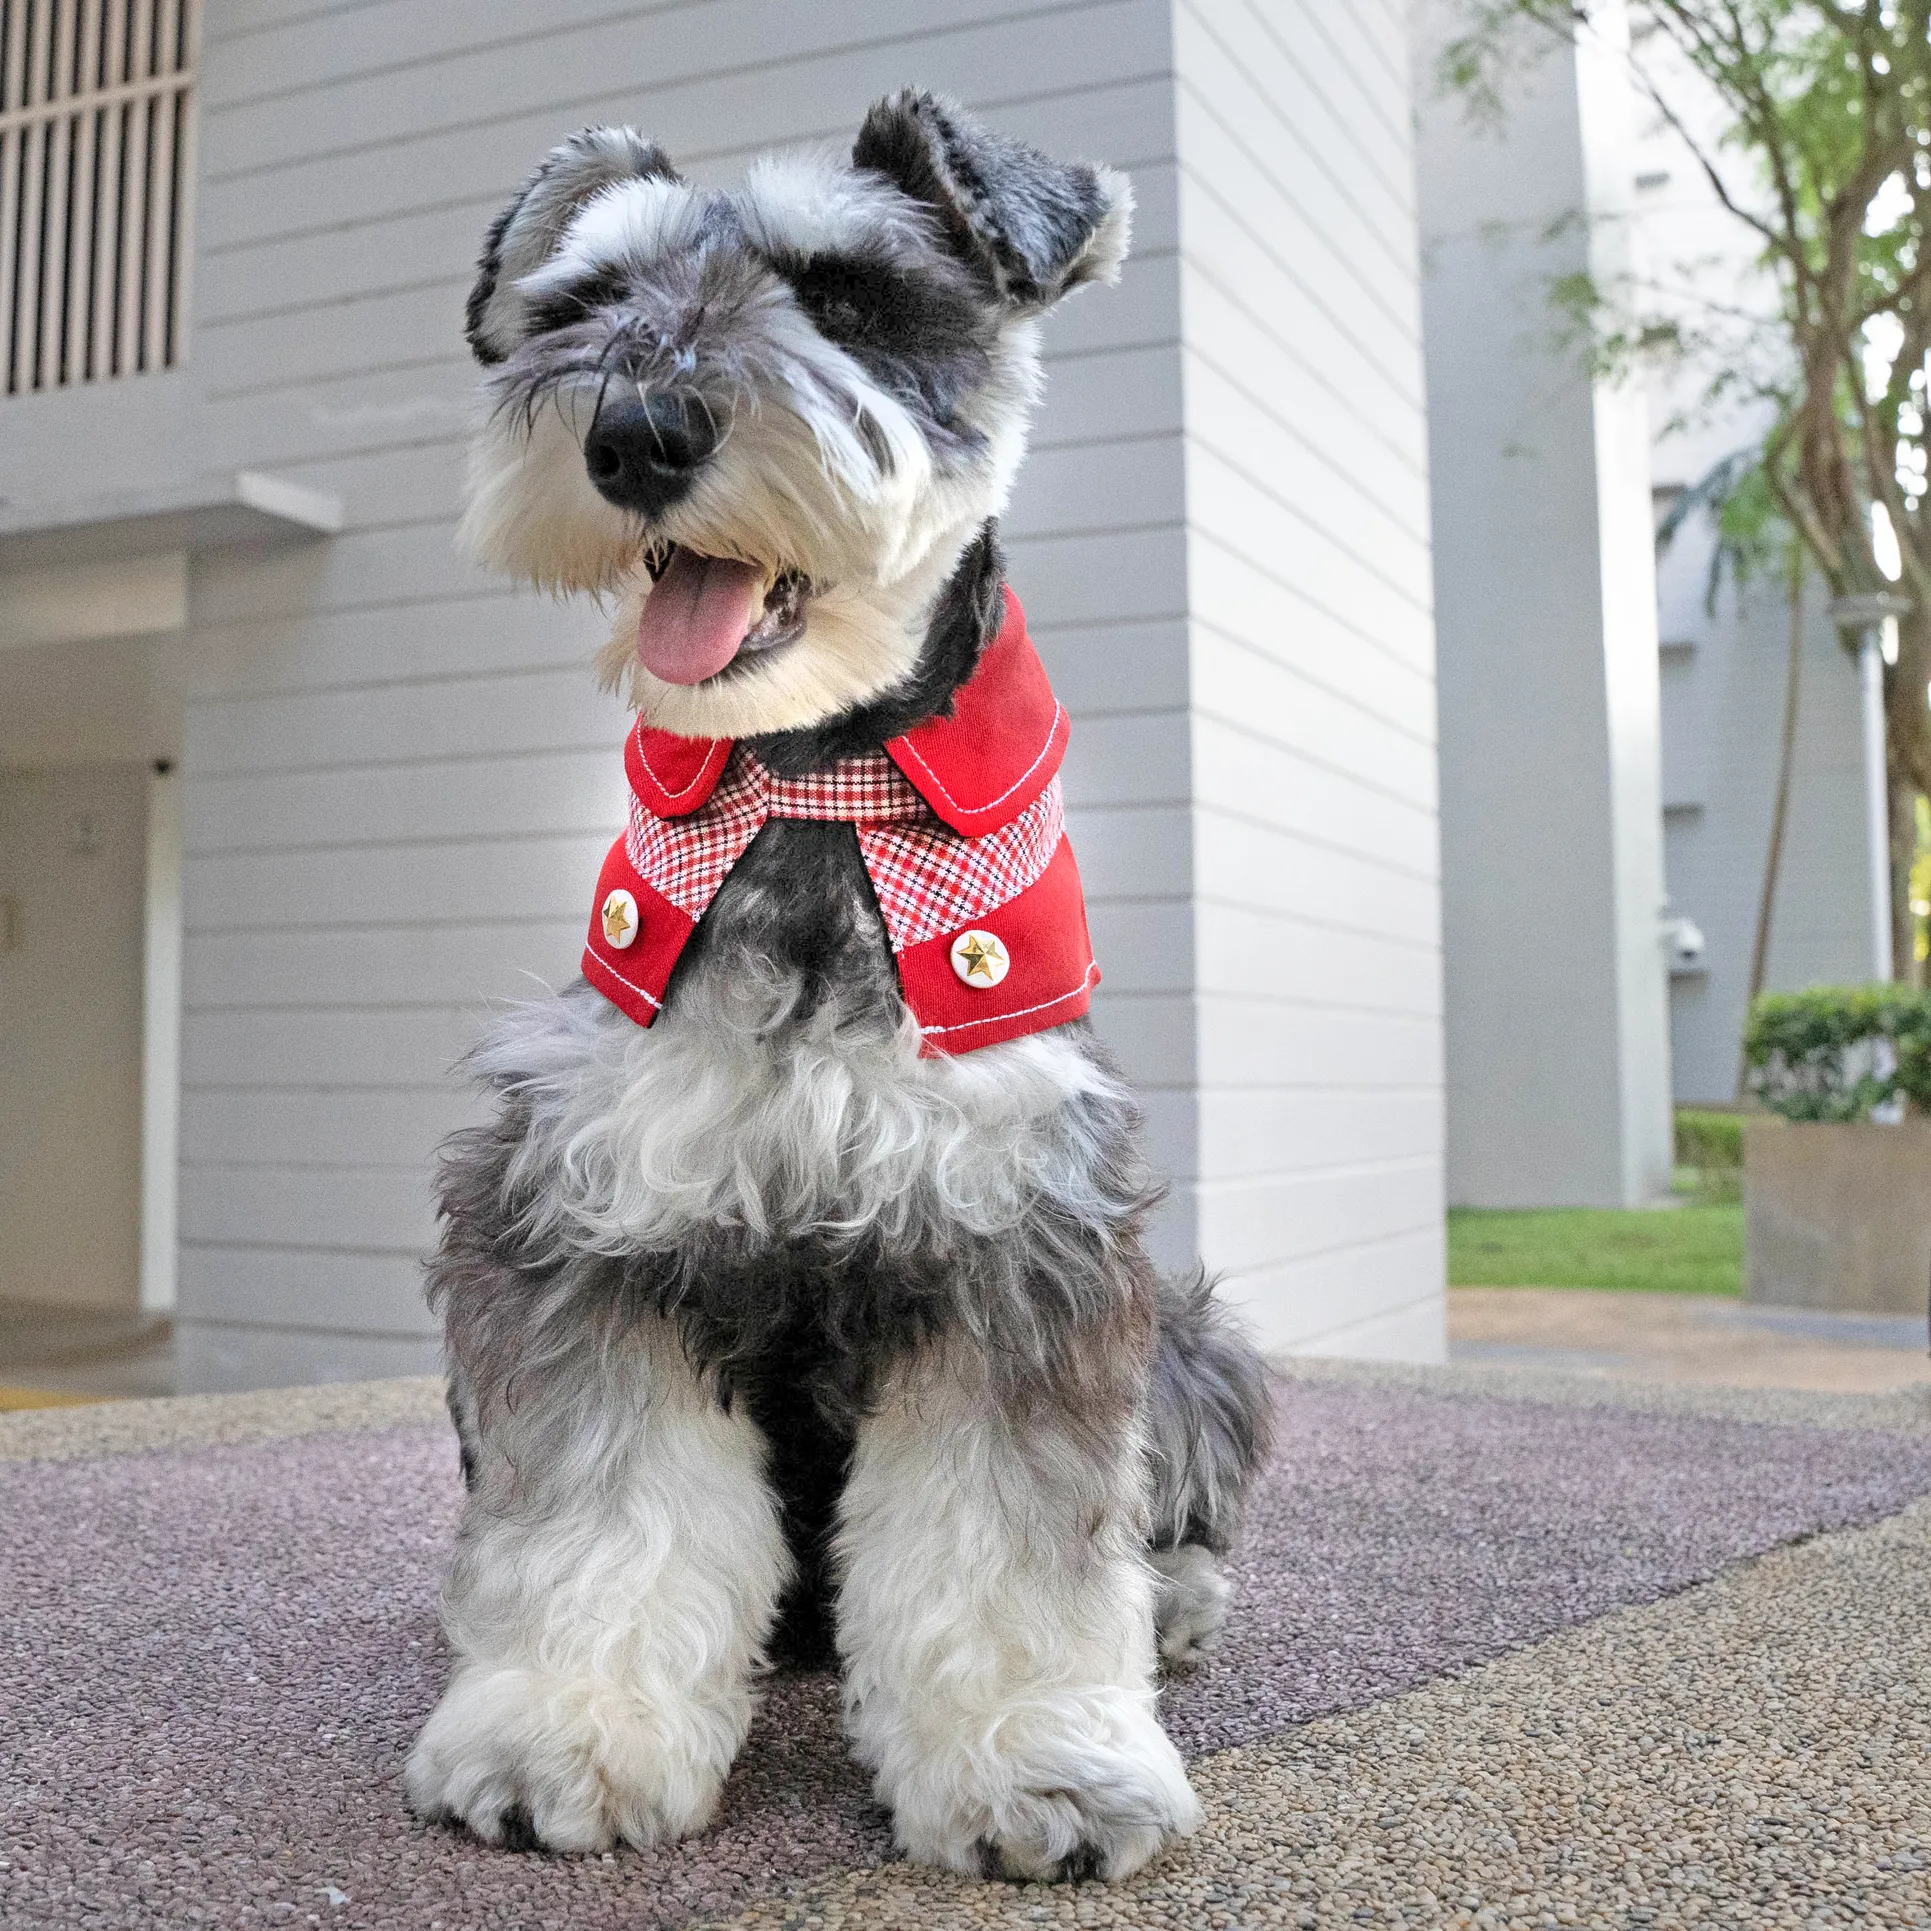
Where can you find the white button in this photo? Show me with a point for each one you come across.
(620, 922)
(979, 959)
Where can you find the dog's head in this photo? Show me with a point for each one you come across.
(770, 421)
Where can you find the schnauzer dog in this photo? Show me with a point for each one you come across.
(797, 1306)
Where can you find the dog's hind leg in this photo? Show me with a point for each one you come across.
(1210, 1423)
(996, 1622)
(620, 1557)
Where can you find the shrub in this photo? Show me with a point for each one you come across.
(1835, 1052)
(1709, 1142)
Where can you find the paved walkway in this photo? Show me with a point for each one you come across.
(1706, 1340)
(1512, 1648)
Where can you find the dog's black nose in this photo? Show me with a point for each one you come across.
(644, 453)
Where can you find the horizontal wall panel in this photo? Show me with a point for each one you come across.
(1110, 668)
(1272, 1043)
(1133, 852)
(414, 563)
(1254, 555)
(324, 1047)
(1143, 945)
(1299, 405)
(1314, 333)
(1263, 955)
(543, 711)
(1242, 862)
(1270, 51)
(455, 637)
(374, 1293)
(308, 1206)
(1328, 165)
(1251, 1223)
(547, 795)
(1237, 767)
(1332, 1302)
(669, 72)
(1152, 1035)
(386, 965)
(1140, 759)
(1380, 538)
(1125, 574)
(307, 1129)
(1128, 123)
(1249, 1132)
(1097, 485)
(450, 885)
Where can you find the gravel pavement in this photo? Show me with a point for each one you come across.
(1509, 1649)
(1754, 1752)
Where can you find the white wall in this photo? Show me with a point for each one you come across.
(397, 776)
(1557, 1041)
(72, 856)
(1317, 1188)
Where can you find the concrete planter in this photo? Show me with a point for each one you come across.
(1837, 1216)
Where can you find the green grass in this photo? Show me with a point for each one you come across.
(1692, 1249)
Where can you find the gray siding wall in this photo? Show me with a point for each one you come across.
(1723, 696)
(399, 780)
(1318, 1188)
(399, 777)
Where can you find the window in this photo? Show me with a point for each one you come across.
(96, 172)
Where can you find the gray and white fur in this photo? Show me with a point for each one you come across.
(768, 1337)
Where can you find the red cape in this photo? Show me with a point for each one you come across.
(977, 769)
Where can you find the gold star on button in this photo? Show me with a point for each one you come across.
(620, 919)
(979, 959)
(979, 956)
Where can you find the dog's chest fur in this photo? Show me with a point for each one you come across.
(776, 1165)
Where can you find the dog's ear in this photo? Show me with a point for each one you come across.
(524, 236)
(1033, 227)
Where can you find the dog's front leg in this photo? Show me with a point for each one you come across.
(615, 1579)
(996, 1622)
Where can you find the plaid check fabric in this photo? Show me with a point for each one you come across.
(927, 877)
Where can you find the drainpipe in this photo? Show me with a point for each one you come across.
(1867, 616)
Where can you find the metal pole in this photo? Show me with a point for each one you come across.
(1877, 801)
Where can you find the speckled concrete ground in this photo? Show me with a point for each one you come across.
(1700, 1339)
(1754, 1752)
(1436, 1707)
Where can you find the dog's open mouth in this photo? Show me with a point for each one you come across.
(705, 614)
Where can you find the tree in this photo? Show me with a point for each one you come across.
(1825, 156)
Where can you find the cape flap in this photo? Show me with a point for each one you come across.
(978, 769)
(673, 776)
(1002, 746)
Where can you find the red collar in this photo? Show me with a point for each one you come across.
(978, 769)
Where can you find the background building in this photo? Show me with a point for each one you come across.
(1552, 859)
(290, 793)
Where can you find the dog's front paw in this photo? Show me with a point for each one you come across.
(537, 1761)
(1067, 1787)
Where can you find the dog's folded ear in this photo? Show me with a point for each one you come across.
(1033, 227)
(525, 235)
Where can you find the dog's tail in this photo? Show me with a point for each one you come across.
(1210, 1418)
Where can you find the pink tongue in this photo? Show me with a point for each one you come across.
(696, 616)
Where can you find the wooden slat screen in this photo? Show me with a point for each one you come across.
(96, 181)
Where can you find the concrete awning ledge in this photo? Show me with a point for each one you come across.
(241, 507)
